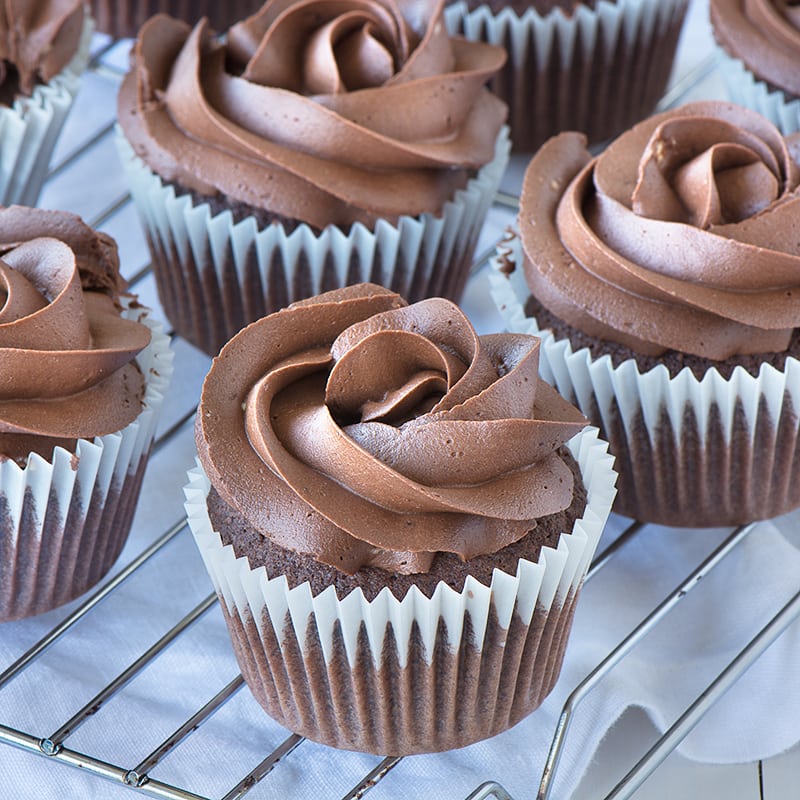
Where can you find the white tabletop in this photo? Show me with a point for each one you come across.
(173, 582)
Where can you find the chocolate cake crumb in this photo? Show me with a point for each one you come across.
(234, 529)
(240, 210)
(673, 360)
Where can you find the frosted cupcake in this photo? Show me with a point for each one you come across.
(596, 66)
(394, 524)
(760, 43)
(84, 370)
(666, 274)
(44, 48)
(373, 155)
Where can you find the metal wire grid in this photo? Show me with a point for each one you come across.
(52, 747)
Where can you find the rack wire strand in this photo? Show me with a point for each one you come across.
(670, 602)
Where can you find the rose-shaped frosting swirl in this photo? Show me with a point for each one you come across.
(66, 355)
(361, 431)
(38, 39)
(682, 235)
(765, 35)
(325, 111)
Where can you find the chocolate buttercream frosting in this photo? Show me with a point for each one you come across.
(328, 113)
(365, 432)
(38, 39)
(66, 354)
(681, 236)
(765, 35)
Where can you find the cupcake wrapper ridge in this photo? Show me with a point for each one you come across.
(30, 127)
(690, 452)
(123, 18)
(597, 71)
(214, 277)
(747, 90)
(413, 675)
(63, 524)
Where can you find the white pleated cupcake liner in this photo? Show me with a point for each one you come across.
(597, 71)
(30, 127)
(64, 521)
(508, 638)
(690, 452)
(745, 89)
(214, 276)
(123, 18)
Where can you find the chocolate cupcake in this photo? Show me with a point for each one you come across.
(664, 276)
(123, 18)
(394, 524)
(575, 65)
(84, 369)
(376, 158)
(760, 45)
(44, 48)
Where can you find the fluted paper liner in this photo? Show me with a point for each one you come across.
(597, 71)
(123, 18)
(747, 90)
(63, 524)
(214, 277)
(415, 674)
(690, 452)
(30, 127)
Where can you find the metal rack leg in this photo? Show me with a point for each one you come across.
(616, 655)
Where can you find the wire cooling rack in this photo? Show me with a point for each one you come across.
(53, 744)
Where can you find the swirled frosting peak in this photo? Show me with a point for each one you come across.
(365, 432)
(682, 235)
(765, 35)
(38, 39)
(66, 355)
(325, 112)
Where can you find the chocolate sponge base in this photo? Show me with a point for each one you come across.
(402, 696)
(449, 568)
(673, 360)
(123, 18)
(600, 85)
(210, 294)
(457, 695)
(77, 546)
(703, 464)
